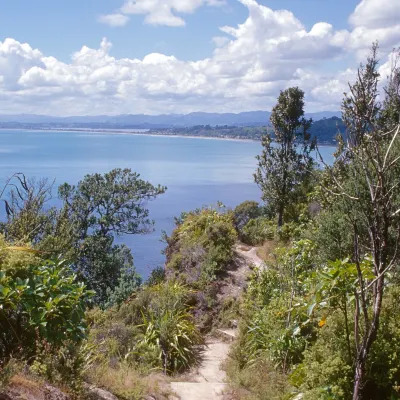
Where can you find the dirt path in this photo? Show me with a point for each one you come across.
(208, 382)
(250, 255)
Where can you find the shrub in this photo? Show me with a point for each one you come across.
(65, 365)
(156, 277)
(172, 338)
(49, 304)
(128, 282)
(15, 260)
(154, 329)
(201, 246)
(257, 231)
(244, 212)
(327, 370)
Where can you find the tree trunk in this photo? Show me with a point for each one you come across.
(358, 379)
(280, 215)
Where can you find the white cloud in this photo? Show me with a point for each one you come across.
(164, 12)
(114, 20)
(376, 13)
(269, 51)
(373, 20)
(220, 41)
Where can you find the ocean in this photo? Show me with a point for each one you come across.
(198, 172)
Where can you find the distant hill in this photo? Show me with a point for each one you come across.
(251, 118)
(326, 129)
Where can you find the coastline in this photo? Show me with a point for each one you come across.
(131, 132)
(144, 132)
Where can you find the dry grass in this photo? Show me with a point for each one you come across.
(265, 252)
(128, 384)
(259, 382)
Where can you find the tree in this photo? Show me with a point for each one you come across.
(110, 203)
(281, 167)
(360, 108)
(390, 116)
(93, 212)
(28, 219)
(365, 182)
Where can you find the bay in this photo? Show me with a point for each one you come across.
(197, 171)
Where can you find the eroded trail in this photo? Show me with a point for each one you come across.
(250, 255)
(208, 381)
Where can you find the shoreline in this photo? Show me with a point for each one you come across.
(131, 132)
(143, 132)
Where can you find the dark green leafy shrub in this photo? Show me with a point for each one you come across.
(257, 231)
(101, 264)
(244, 212)
(156, 277)
(49, 305)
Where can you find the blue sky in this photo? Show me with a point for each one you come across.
(160, 56)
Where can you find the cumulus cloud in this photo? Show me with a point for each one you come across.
(157, 12)
(376, 14)
(114, 20)
(251, 62)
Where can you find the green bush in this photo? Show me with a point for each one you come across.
(66, 365)
(157, 276)
(167, 337)
(171, 338)
(201, 246)
(244, 212)
(154, 329)
(327, 369)
(48, 305)
(128, 282)
(257, 231)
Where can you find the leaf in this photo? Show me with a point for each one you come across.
(311, 308)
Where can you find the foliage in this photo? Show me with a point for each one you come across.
(245, 212)
(47, 305)
(172, 337)
(327, 371)
(65, 366)
(259, 380)
(83, 230)
(28, 219)
(201, 245)
(109, 203)
(277, 330)
(153, 330)
(156, 277)
(281, 167)
(100, 263)
(128, 282)
(258, 230)
(16, 260)
(365, 184)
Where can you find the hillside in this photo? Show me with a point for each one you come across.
(252, 118)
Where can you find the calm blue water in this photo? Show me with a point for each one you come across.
(197, 172)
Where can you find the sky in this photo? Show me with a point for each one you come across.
(91, 57)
